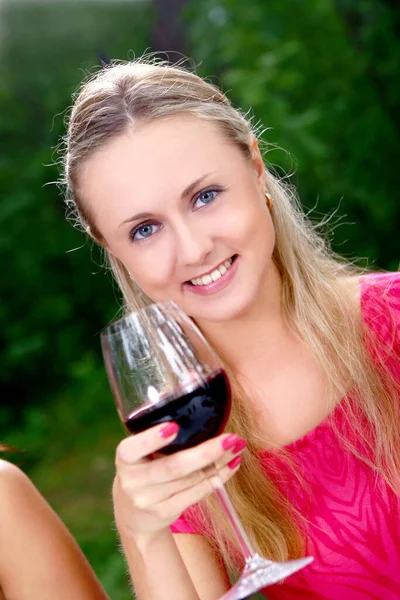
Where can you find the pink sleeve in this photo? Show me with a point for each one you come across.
(380, 302)
(181, 526)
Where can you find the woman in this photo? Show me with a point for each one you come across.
(167, 176)
(39, 559)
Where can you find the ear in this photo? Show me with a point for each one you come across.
(257, 162)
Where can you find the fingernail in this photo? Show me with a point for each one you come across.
(169, 430)
(230, 441)
(235, 462)
(240, 445)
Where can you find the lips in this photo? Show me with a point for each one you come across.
(213, 275)
(215, 280)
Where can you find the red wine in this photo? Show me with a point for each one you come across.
(201, 413)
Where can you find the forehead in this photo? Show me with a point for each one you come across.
(157, 158)
(162, 145)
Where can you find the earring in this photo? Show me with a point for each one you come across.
(269, 201)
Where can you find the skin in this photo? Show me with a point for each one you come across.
(147, 169)
(191, 237)
(39, 559)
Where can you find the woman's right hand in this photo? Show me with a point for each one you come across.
(152, 490)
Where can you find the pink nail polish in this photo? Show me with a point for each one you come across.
(240, 445)
(230, 441)
(235, 462)
(169, 430)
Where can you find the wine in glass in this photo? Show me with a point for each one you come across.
(161, 368)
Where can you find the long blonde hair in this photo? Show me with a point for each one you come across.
(316, 304)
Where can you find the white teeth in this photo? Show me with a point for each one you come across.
(222, 269)
(206, 279)
(214, 275)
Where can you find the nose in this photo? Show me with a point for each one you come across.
(193, 244)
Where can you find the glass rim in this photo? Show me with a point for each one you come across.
(115, 327)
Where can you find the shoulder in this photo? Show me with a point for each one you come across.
(376, 280)
(385, 282)
(380, 306)
(375, 299)
(373, 292)
(351, 291)
(380, 298)
(17, 492)
(38, 556)
(11, 478)
(352, 288)
(21, 501)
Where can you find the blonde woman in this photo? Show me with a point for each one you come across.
(39, 559)
(165, 174)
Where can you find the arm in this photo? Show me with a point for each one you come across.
(175, 567)
(39, 559)
(204, 566)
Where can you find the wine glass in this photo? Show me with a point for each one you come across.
(161, 368)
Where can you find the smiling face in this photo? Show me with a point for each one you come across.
(184, 210)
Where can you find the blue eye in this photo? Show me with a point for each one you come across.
(142, 232)
(205, 197)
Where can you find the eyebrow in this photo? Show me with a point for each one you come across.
(186, 192)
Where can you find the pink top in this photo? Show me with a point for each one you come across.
(354, 517)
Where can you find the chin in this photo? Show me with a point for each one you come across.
(222, 310)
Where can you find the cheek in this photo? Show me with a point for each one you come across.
(252, 227)
(150, 272)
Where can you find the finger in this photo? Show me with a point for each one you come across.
(173, 507)
(137, 447)
(150, 496)
(238, 447)
(219, 450)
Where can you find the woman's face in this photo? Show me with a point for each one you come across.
(185, 211)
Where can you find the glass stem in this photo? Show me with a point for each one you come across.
(244, 542)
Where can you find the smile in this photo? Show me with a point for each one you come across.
(215, 280)
(214, 274)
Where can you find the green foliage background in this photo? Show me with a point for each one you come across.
(321, 76)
